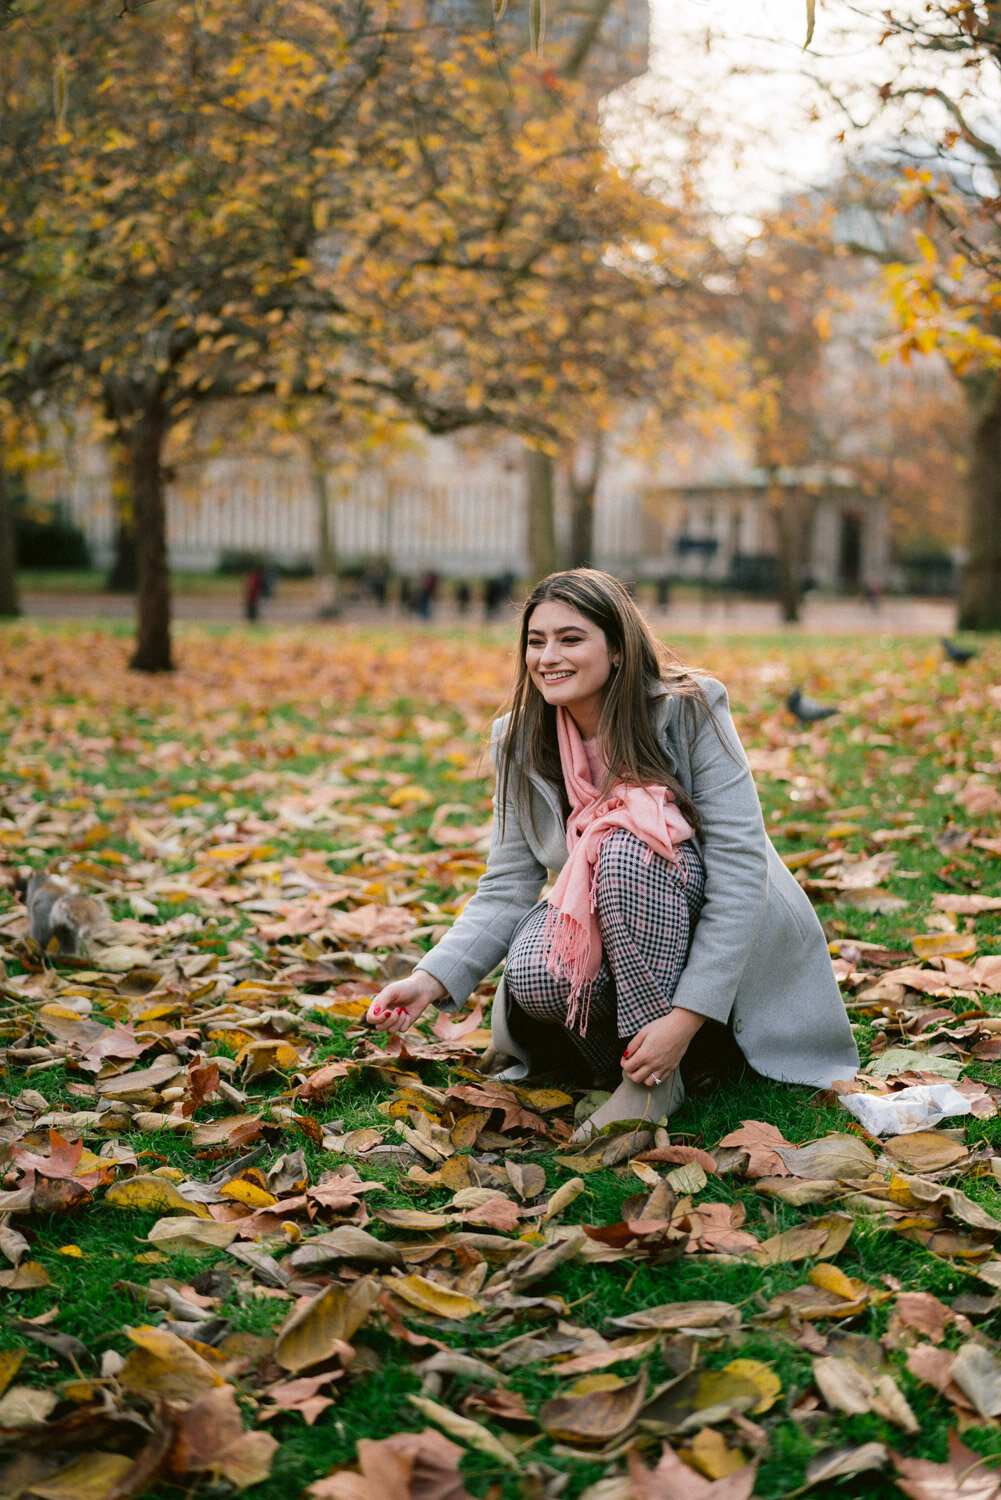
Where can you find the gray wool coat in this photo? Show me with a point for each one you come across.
(758, 956)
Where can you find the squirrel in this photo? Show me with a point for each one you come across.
(60, 918)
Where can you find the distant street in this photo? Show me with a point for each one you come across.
(295, 604)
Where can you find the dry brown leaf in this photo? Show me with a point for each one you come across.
(415, 1465)
(821, 1237)
(472, 1434)
(210, 1438)
(761, 1142)
(836, 1155)
(197, 1236)
(839, 1463)
(672, 1479)
(302, 1395)
(963, 1477)
(672, 1316)
(846, 1386)
(596, 1416)
(925, 1150)
(977, 1372)
(922, 1312)
(322, 1327)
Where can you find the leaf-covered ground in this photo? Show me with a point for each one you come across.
(248, 1244)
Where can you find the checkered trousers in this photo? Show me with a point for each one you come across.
(647, 907)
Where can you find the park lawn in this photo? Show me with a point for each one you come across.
(278, 826)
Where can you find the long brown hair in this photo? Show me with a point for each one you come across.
(628, 743)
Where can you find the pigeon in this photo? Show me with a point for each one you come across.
(959, 654)
(808, 710)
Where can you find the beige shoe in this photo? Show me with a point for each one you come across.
(634, 1101)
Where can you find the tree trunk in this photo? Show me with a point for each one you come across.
(540, 498)
(9, 605)
(980, 590)
(145, 439)
(582, 493)
(793, 515)
(123, 577)
(328, 581)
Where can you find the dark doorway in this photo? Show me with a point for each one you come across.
(851, 548)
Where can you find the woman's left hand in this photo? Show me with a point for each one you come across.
(657, 1048)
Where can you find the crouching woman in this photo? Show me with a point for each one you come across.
(621, 770)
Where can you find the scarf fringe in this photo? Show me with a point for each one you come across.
(566, 947)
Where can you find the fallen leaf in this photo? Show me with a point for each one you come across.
(846, 1387)
(192, 1234)
(210, 1438)
(431, 1297)
(925, 1150)
(595, 1416)
(819, 1238)
(472, 1434)
(164, 1365)
(92, 1476)
(323, 1326)
(155, 1195)
(835, 1155)
(962, 1477)
(977, 1372)
(672, 1479)
(419, 1465)
(841, 1463)
(761, 1142)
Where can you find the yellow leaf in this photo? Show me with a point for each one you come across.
(242, 1191)
(760, 1375)
(29, 1276)
(473, 1434)
(711, 1456)
(93, 1476)
(927, 249)
(10, 1363)
(606, 1381)
(73, 1250)
(152, 1195)
(432, 1298)
(831, 1279)
(164, 1365)
(412, 793)
(267, 1057)
(944, 945)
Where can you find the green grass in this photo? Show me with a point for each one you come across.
(214, 755)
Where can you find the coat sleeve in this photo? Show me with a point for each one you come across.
(735, 855)
(509, 887)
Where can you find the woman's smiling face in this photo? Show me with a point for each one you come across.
(569, 661)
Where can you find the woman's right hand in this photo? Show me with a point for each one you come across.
(403, 1002)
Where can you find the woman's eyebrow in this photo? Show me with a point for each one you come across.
(562, 630)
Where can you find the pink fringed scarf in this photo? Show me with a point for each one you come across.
(571, 940)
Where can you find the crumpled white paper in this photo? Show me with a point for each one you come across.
(917, 1108)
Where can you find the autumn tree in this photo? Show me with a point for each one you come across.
(937, 68)
(318, 200)
(784, 288)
